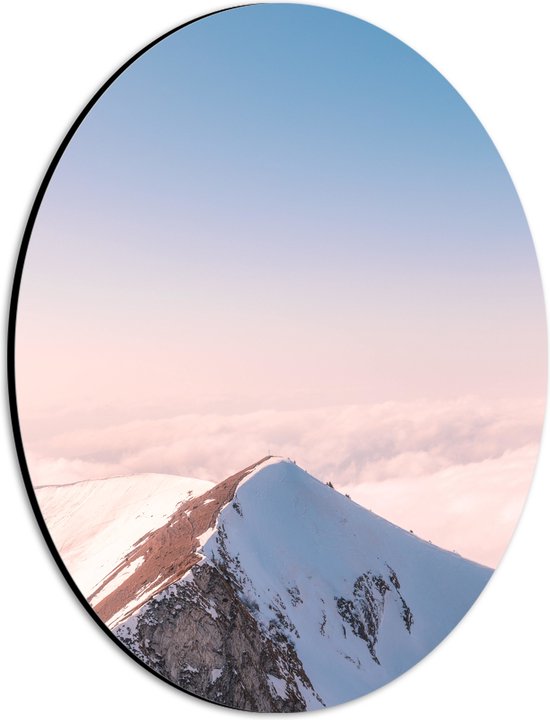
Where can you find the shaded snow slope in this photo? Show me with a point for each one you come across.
(352, 598)
(95, 523)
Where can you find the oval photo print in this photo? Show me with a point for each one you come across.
(278, 358)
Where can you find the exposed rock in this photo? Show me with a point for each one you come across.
(364, 612)
(280, 596)
(199, 635)
(165, 554)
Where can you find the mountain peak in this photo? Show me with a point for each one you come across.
(165, 554)
(331, 600)
(322, 598)
(279, 469)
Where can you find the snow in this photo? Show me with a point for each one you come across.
(118, 579)
(298, 548)
(147, 592)
(278, 685)
(95, 523)
(205, 536)
(302, 545)
(215, 674)
(160, 588)
(211, 610)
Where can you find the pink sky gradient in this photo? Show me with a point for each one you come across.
(331, 264)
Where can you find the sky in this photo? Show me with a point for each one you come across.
(280, 229)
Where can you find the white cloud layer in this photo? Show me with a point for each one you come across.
(455, 472)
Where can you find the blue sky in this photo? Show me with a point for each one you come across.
(280, 196)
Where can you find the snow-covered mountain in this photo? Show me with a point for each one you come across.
(94, 523)
(269, 591)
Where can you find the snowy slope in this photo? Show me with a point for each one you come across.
(357, 599)
(299, 539)
(94, 523)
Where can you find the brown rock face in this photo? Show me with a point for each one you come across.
(168, 552)
(199, 635)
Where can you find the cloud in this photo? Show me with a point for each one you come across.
(63, 471)
(471, 508)
(441, 468)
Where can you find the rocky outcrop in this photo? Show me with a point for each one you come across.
(363, 613)
(164, 555)
(276, 594)
(202, 637)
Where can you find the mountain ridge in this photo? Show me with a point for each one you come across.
(167, 551)
(338, 600)
(95, 522)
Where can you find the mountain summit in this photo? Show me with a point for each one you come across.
(273, 592)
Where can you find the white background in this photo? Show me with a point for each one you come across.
(56, 662)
